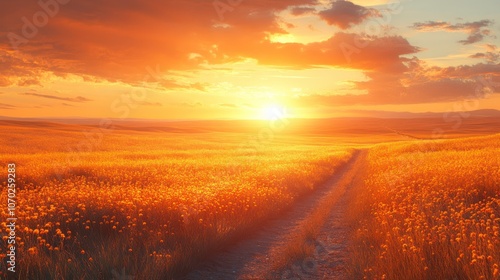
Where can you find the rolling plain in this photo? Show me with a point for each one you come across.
(404, 198)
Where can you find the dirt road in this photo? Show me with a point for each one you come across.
(252, 258)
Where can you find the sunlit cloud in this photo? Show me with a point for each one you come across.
(228, 105)
(4, 106)
(190, 60)
(70, 99)
(147, 103)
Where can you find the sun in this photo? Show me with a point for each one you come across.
(272, 112)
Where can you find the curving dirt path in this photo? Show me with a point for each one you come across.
(251, 258)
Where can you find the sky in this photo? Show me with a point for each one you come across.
(245, 59)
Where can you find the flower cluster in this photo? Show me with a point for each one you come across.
(172, 200)
(441, 219)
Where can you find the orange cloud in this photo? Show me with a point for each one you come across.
(147, 103)
(117, 40)
(70, 99)
(419, 83)
(340, 50)
(4, 106)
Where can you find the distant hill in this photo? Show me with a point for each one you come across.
(408, 115)
(366, 124)
(346, 114)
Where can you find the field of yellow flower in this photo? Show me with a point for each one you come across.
(430, 210)
(146, 204)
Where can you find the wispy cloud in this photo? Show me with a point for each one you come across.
(84, 33)
(172, 84)
(147, 103)
(488, 56)
(419, 83)
(70, 99)
(187, 104)
(4, 106)
(491, 55)
(477, 30)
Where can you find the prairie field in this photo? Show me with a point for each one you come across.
(150, 204)
(249, 140)
(149, 201)
(429, 210)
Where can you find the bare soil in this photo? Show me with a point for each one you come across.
(252, 258)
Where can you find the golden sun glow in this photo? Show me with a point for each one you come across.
(272, 112)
